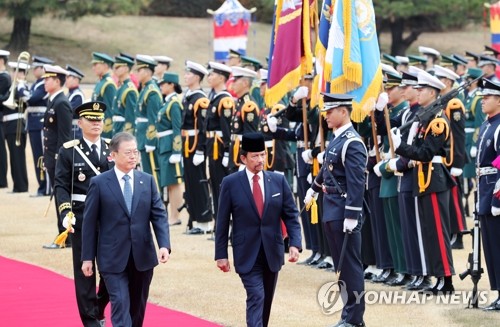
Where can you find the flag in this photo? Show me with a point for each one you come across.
(495, 25)
(353, 54)
(290, 55)
(320, 53)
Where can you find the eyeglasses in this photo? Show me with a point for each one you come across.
(129, 153)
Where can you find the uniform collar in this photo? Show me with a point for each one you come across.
(339, 131)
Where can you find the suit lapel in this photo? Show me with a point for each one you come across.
(138, 189)
(248, 191)
(115, 188)
(267, 191)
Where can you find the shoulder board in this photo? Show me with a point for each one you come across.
(226, 103)
(201, 102)
(126, 92)
(349, 134)
(438, 126)
(151, 89)
(109, 81)
(173, 100)
(346, 145)
(70, 144)
(106, 140)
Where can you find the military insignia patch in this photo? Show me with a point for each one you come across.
(457, 115)
(81, 177)
(227, 113)
(128, 127)
(151, 132)
(349, 134)
(108, 125)
(203, 113)
(250, 117)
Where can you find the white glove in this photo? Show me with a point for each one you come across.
(301, 93)
(376, 168)
(225, 159)
(198, 158)
(150, 148)
(307, 156)
(392, 164)
(455, 172)
(495, 211)
(69, 219)
(309, 178)
(382, 101)
(321, 157)
(350, 224)
(396, 137)
(175, 158)
(21, 85)
(310, 194)
(473, 151)
(272, 122)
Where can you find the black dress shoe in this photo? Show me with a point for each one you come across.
(53, 246)
(197, 231)
(385, 276)
(324, 265)
(308, 260)
(422, 282)
(178, 222)
(494, 306)
(401, 279)
(443, 286)
(368, 275)
(317, 261)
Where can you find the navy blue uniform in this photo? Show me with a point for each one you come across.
(5, 83)
(76, 98)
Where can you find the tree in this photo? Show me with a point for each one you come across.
(22, 12)
(407, 19)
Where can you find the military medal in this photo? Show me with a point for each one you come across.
(330, 167)
(81, 177)
(51, 119)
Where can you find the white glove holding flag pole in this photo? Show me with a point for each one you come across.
(309, 178)
(198, 158)
(300, 93)
(382, 101)
(175, 158)
(396, 137)
(392, 164)
(473, 151)
(307, 156)
(350, 224)
(376, 168)
(321, 157)
(150, 148)
(225, 159)
(272, 123)
(310, 194)
(69, 219)
(455, 172)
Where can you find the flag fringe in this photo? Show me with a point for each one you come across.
(362, 109)
(287, 83)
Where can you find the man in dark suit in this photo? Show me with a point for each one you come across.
(256, 200)
(117, 231)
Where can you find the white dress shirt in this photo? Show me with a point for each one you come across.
(120, 174)
(97, 143)
(261, 181)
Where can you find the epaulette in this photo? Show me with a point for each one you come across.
(70, 144)
(349, 134)
(226, 103)
(438, 126)
(454, 104)
(250, 106)
(201, 102)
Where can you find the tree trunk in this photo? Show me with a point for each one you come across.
(20, 37)
(399, 43)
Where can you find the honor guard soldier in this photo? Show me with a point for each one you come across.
(56, 127)
(432, 55)
(403, 64)
(233, 59)
(168, 131)
(218, 127)
(255, 65)
(246, 117)
(474, 118)
(488, 65)
(125, 100)
(75, 96)
(133, 76)
(417, 61)
(79, 160)
(149, 103)
(488, 199)
(105, 88)
(342, 179)
(163, 65)
(472, 59)
(195, 104)
(5, 83)
(432, 183)
(36, 98)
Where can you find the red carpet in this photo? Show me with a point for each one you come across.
(33, 296)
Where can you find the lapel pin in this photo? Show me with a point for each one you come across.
(140, 182)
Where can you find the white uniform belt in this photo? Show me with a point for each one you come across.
(481, 171)
(236, 136)
(269, 144)
(75, 122)
(32, 110)
(188, 132)
(164, 133)
(470, 130)
(437, 159)
(141, 120)
(78, 197)
(10, 117)
(120, 119)
(300, 144)
(211, 134)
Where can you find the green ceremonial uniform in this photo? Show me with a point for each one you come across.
(474, 117)
(148, 105)
(168, 128)
(255, 93)
(124, 105)
(105, 91)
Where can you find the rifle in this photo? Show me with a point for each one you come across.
(433, 109)
(474, 269)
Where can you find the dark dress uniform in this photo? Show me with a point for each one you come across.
(197, 199)
(56, 131)
(72, 179)
(218, 132)
(124, 105)
(76, 98)
(5, 82)
(105, 91)
(345, 161)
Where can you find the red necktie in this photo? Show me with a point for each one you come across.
(257, 195)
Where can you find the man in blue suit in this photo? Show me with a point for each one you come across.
(122, 204)
(256, 200)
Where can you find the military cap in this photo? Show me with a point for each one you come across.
(243, 72)
(427, 80)
(440, 71)
(388, 69)
(123, 60)
(102, 58)
(486, 60)
(145, 61)
(415, 70)
(388, 59)
(490, 51)
(392, 80)
(331, 101)
(126, 55)
(40, 61)
(473, 73)
(53, 71)
(447, 61)
(196, 68)
(163, 60)
(461, 59)
(409, 79)
(72, 71)
(416, 60)
(219, 68)
(471, 56)
(249, 61)
(429, 51)
(402, 60)
(4, 53)
(233, 54)
(21, 65)
(490, 87)
(253, 142)
(309, 76)
(263, 75)
(173, 78)
(93, 110)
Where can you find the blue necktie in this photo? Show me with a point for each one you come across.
(127, 193)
